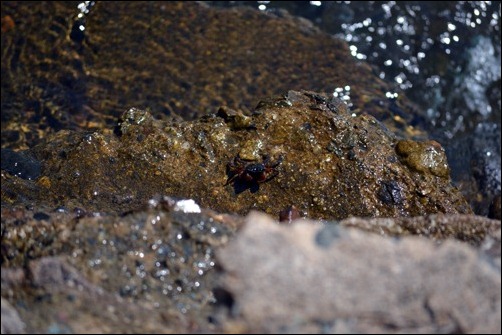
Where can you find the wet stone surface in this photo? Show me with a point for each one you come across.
(303, 149)
(472, 229)
(151, 269)
(56, 76)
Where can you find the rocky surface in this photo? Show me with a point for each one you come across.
(152, 270)
(329, 163)
(334, 280)
(467, 228)
(11, 322)
(57, 76)
(170, 268)
(137, 225)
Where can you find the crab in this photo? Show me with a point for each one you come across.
(248, 171)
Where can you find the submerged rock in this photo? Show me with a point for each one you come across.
(177, 59)
(303, 149)
(20, 164)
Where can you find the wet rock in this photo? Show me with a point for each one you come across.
(151, 270)
(71, 85)
(390, 193)
(251, 150)
(327, 162)
(236, 119)
(87, 231)
(20, 164)
(50, 272)
(495, 208)
(425, 157)
(55, 304)
(485, 160)
(12, 277)
(475, 165)
(337, 280)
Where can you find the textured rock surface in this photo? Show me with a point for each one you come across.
(179, 61)
(149, 271)
(154, 270)
(332, 279)
(90, 245)
(468, 228)
(335, 164)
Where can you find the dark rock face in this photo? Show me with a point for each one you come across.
(336, 280)
(20, 164)
(303, 149)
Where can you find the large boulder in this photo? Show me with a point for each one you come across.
(303, 149)
(308, 278)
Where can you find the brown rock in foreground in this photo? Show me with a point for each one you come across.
(155, 270)
(303, 149)
(309, 279)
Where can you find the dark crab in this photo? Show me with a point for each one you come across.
(248, 171)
